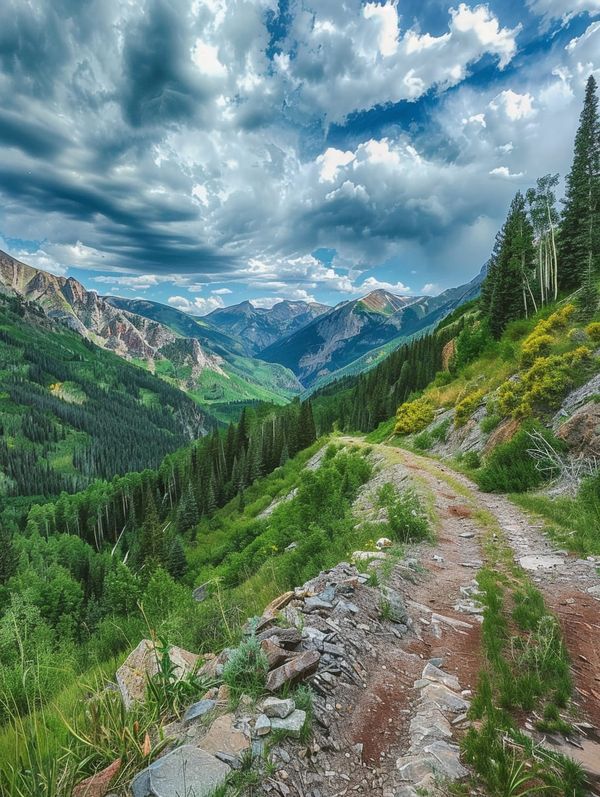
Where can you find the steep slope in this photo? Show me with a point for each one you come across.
(259, 327)
(243, 378)
(71, 411)
(129, 335)
(350, 332)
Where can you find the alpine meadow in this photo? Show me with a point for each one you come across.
(299, 398)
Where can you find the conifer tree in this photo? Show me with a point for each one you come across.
(306, 426)
(176, 561)
(580, 227)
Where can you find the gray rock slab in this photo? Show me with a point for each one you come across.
(276, 707)
(262, 726)
(198, 710)
(444, 698)
(432, 673)
(292, 724)
(187, 770)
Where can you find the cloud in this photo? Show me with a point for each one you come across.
(200, 306)
(505, 173)
(373, 284)
(221, 291)
(560, 9)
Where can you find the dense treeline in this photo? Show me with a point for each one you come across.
(71, 412)
(540, 251)
(360, 403)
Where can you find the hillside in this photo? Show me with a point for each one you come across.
(354, 335)
(71, 412)
(241, 379)
(209, 366)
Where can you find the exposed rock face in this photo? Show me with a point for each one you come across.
(575, 399)
(143, 663)
(581, 432)
(448, 353)
(127, 334)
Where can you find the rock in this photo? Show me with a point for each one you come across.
(447, 757)
(292, 724)
(199, 593)
(444, 698)
(383, 542)
(224, 737)
(223, 694)
(433, 673)
(315, 603)
(467, 535)
(272, 610)
(581, 432)
(504, 432)
(275, 707)
(291, 547)
(262, 726)
(540, 561)
(285, 637)
(576, 398)
(396, 610)
(198, 710)
(187, 770)
(143, 663)
(275, 654)
(292, 671)
(98, 784)
(213, 667)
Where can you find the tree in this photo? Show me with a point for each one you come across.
(511, 268)
(544, 220)
(187, 514)
(306, 426)
(580, 227)
(8, 555)
(176, 561)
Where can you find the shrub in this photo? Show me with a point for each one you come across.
(534, 346)
(471, 343)
(471, 460)
(467, 406)
(246, 669)
(439, 433)
(413, 416)
(544, 384)
(593, 330)
(510, 469)
(490, 422)
(407, 519)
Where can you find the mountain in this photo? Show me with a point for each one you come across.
(205, 362)
(361, 331)
(242, 377)
(259, 327)
(71, 412)
(131, 336)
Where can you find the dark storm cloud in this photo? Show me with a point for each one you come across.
(160, 87)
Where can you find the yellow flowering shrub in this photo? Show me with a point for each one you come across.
(539, 341)
(593, 331)
(544, 384)
(467, 406)
(413, 416)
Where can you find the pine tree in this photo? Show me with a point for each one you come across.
(512, 266)
(306, 426)
(187, 514)
(176, 561)
(580, 227)
(8, 555)
(152, 542)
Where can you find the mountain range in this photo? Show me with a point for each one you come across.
(242, 352)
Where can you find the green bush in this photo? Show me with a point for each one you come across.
(510, 469)
(490, 422)
(593, 330)
(423, 441)
(471, 343)
(246, 669)
(407, 520)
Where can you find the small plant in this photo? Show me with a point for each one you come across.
(423, 441)
(246, 669)
(166, 692)
(407, 519)
(490, 422)
(471, 460)
(593, 330)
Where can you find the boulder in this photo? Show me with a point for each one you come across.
(383, 542)
(284, 637)
(296, 669)
(224, 737)
(275, 707)
(581, 432)
(98, 784)
(396, 609)
(143, 663)
(292, 724)
(187, 770)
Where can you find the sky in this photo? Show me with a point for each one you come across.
(205, 152)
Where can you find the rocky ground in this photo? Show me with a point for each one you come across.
(392, 661)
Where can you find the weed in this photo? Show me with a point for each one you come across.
(246, 669)
(407, 520)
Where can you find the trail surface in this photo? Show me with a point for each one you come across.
(445, 620)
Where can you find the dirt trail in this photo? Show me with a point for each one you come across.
(379, 719)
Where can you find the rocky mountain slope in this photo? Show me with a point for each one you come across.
(259, 327)
(351, 331)
(203, 361)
